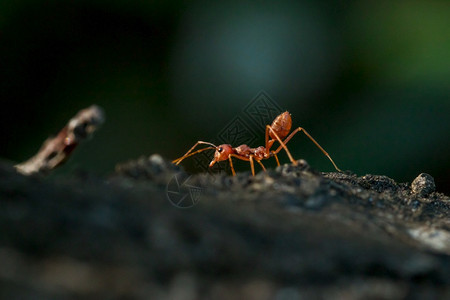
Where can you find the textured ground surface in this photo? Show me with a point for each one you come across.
(290, 233)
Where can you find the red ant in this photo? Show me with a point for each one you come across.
(279, 129)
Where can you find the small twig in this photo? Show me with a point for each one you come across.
(56, 150)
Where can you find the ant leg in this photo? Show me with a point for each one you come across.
(276, 157)
(252, 165)
(282, 145)
(231, 166)
(268, 144)
(178, 160)
(250, 159)
(300, 129)
(262, 166)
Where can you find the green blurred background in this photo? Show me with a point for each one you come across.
(370, 80)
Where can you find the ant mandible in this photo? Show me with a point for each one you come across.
(279, 129)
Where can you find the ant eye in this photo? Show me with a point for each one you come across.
(220, 149)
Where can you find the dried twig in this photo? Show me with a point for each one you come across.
(56, 150)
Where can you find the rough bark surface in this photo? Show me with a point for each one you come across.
(289, 233)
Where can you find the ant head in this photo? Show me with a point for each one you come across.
(222, 153)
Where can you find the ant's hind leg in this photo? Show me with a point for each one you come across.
(300, 129)
(282, 145)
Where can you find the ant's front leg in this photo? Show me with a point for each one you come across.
(231, 166)
(250, 159)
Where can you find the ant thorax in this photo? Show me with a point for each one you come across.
(244, 150)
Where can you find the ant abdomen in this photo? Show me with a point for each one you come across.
(281, 125)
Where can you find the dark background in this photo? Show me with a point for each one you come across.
(369, 80)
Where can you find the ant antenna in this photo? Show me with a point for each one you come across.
(177, 161)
